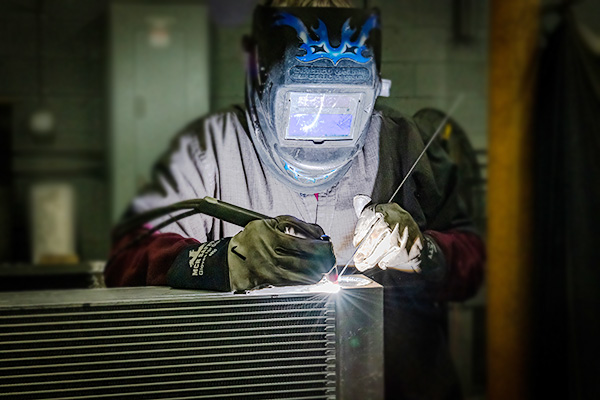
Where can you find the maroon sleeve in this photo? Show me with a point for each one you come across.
(465, 258)
(145, 263)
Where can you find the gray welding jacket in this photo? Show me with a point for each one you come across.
(215, 156)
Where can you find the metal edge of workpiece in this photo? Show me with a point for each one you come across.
(359, 341)
(99, 296)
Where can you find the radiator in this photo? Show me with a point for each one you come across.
(306, 342)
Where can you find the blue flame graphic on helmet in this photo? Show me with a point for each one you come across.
(321, 48)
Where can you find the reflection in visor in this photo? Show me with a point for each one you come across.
(320, 116)
(323, 100)
(319, 126)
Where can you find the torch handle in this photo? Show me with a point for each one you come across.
(228, 212)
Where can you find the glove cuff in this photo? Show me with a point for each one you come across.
(201, 266)
(433, 262)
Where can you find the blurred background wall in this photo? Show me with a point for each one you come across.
(64, 65)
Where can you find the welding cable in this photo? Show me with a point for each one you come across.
(171, 220)
(202, 205)
(207, 205)
(140, 219)
(158, 227)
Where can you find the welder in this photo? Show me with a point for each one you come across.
(307, 141)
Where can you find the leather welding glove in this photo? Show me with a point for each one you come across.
(390, 238)
(278, 251)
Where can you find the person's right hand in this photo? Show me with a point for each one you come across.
(279, 251)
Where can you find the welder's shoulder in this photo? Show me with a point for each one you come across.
(389, 113)
(217, 126)
(429, 120)
(212, 131)
(395, 124)
(421, 126)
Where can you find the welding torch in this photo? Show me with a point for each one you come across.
(208, 205)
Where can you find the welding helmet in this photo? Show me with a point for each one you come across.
(313, 78)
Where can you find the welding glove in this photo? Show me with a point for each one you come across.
(278, 251)
(388, 237)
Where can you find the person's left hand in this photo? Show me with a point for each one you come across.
(394, 240)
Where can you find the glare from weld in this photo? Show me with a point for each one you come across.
(325, 286)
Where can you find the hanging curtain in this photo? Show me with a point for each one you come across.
(566, 341)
